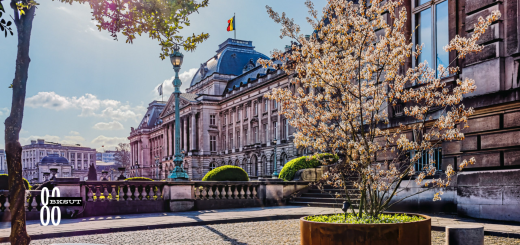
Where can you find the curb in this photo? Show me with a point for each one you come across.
(159, 226)
(211, 222)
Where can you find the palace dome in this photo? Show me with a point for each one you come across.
(54, 158)
(232, 58)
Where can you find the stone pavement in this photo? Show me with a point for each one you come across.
(136, 222)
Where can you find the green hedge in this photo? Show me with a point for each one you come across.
(290, 168)
(139, 179)
(4, 182)
(226, 173)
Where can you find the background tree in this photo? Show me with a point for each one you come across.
(160, 19)
(122, 155)
(353, 75)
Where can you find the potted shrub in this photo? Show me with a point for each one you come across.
(349, 76)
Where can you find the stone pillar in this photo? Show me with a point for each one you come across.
(83, 160)
(184, 134)
(241, 129)
(193, 124)
(180, 196)
(172, 138)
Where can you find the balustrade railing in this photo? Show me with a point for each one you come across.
(102, 191)
(224, 190)
(32, 203)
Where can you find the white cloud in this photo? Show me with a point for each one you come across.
(108, 142)
(72, 139)
(89, 104)
(73, 133)
(4, 111)
(168, 84)
(115, 125)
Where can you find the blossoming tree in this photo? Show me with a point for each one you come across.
(349, 73)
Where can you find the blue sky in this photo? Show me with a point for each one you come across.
(85, 88)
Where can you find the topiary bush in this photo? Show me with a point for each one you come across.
(139, 179)
(226, 173)
(4, 182)
(290, 168)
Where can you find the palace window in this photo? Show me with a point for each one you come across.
(275, 130)
(245, 112)
(255, 129)
(213, 143)
(212, 120)
(230, 141)
(239, 115)
(266, 105)
(256, 109)
(245, 137)
(266, 133)
(275, 105)
(212, 166)
(238, 139)
(285, 129)
(225, 119)
(431, 19)
(426, 159)
(231, 117)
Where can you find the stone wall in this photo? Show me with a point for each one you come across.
(489, 194)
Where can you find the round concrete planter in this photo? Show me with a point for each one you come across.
(413, 233)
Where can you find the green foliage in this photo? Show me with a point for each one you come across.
(290, 168)
(353, 219)
(4, 26)
(4, 182)
(138, 179)
(226, 173)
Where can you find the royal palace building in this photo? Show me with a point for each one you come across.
(225, 120)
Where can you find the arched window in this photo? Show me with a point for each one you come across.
(283, 161)
(246, 166)
(212, 166)
(264, 165)
(271, 165)
(230, 162)
(255, 167)
(237, 163)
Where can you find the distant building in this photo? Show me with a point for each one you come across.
(106, 157)
(79, 158)
(3, 162)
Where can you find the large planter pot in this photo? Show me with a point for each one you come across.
(412, 233)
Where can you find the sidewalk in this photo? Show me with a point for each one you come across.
(134, 222)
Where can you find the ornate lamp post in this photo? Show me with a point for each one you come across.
(178, 173)
(275, 173)
(137, 169)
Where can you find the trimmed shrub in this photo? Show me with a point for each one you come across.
(226, 173)
(139, 179)
(4, 182)
(290, 168)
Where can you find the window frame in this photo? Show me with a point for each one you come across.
(212, 119)
(416, 9)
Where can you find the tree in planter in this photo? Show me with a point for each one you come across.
(122, 155)
(350, 76)
(160, 19)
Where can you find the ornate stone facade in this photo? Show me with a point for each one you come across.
(3, 163)
(225, 120)
(79, 158)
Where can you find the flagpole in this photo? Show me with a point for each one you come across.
(235, 25)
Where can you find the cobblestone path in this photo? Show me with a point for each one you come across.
(265, 232)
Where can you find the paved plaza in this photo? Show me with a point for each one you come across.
(269, 225)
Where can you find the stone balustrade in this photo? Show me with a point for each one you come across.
(32, 205)
(225, 190)
(101, 191)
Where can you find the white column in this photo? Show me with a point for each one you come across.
(193, 124)
(82, 160)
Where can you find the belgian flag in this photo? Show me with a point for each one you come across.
(231, 24)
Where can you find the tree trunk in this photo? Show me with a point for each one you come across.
(13, 125)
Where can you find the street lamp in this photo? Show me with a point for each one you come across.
(178, 173)
(275, 173)
(136, 169)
